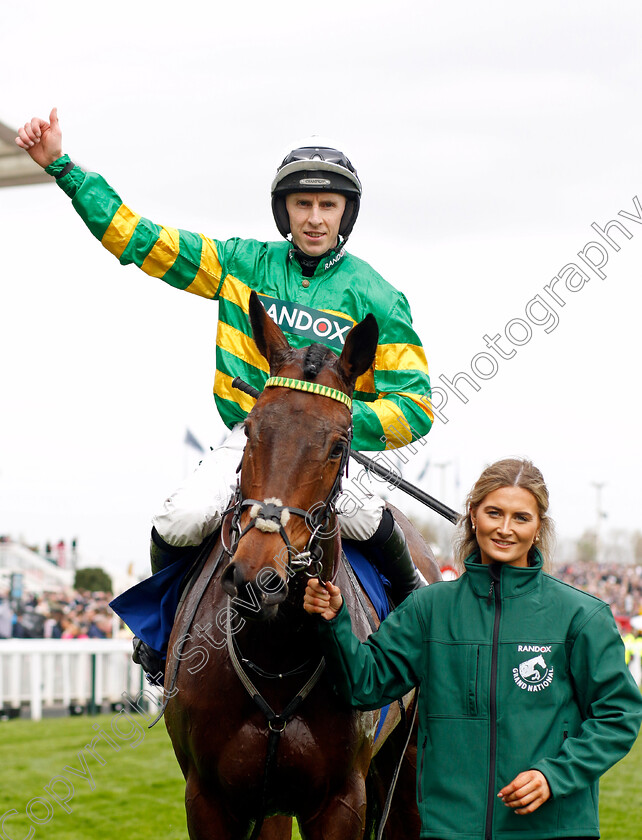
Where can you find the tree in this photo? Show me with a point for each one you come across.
(92, 579)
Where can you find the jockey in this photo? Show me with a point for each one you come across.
(311, 286)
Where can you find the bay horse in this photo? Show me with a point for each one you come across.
(254, 722)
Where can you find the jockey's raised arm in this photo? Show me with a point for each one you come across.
(310, 285)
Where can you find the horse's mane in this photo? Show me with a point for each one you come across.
(315, 358)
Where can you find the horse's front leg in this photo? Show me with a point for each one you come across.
(342, 817)
(207, 818)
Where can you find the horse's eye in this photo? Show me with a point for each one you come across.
(337, 450)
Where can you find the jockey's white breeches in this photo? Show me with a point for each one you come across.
(193, 511)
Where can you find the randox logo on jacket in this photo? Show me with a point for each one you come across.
(533, 673)
(310, 323)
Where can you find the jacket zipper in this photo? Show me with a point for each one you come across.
(420, 776)
(492, 760)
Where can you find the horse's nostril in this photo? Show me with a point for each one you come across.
(256, 598)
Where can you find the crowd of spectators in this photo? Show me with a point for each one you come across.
(58, 615)
(87, 615)
(617, 584)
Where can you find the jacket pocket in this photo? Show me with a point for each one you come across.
(453, 684)
(473, 679)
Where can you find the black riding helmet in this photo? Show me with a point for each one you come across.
(311, 168)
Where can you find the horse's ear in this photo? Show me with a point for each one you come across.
(359, 350)
(268, 336)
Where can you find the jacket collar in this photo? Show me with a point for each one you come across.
(324, 264)
(515, 581)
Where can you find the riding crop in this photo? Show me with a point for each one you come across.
(388, 474)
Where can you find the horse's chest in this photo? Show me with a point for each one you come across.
(306, 759)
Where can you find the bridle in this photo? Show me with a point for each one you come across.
(271, 515)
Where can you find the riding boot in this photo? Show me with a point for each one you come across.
(150, 660)
(162, 555)
(390, 554)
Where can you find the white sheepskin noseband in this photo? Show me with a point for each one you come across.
(269, 526)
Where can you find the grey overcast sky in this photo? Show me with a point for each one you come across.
(489, 137)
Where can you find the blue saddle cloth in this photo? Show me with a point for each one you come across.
(374, 585)
(372, 581)
(149, 607)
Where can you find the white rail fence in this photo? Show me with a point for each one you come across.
(85, 673)
(81, 674)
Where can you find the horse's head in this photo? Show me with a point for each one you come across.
(298, 441)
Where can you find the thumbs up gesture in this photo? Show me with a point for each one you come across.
(41, 140)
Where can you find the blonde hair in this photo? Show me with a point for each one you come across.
(511, 472)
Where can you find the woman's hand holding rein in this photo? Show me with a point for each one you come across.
(325, 600)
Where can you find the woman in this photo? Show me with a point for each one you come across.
(525, 699)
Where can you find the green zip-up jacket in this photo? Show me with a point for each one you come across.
(528, 673)
(392, 400)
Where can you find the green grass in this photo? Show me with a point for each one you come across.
(139, 790)
(621, 798)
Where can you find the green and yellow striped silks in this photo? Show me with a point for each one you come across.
(391, 402)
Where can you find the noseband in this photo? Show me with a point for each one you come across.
(271, 515)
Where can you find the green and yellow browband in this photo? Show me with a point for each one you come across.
(310, 387)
